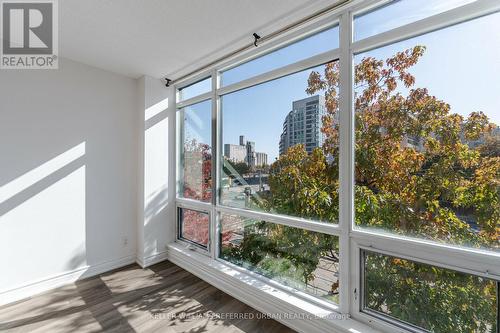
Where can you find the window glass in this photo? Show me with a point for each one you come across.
(193, 226)
(303, 49)
(398, 13)
(427, 136)
(195, 89)
(280, 146)
(304, 260)
(429, 297)
(196, 152)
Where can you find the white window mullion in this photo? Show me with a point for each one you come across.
(216, 154)
(294, 222)
(280, 72)
(179, 151)
(346, 159)
(469, 260)
(194, 100)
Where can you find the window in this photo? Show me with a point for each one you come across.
(398, 13)
(374, 162)
(313, 45)
(196, 152)
(301, 259)
(267, 156)
(427, 157)
(428, 297)
(195, 89)
(193, 226)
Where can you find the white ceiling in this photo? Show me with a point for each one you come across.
(164, 37)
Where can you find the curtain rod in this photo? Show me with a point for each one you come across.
(259, 39)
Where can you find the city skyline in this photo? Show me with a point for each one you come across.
(244, 152)
(258, 112)
(450, 79)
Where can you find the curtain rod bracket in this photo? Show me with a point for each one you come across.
(168, 82)
(256, 39)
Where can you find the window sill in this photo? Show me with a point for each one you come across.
(293, 311)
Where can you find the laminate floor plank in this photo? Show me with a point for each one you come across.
(161, 298)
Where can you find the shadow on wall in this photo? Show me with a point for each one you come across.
(32, 183)
(57, 187)
(42, 217)
(68, 175)
(157, 166)
(157, 207)
(99, 302)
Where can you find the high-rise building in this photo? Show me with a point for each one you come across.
(250, 153)
(260, 159)
(474, 144)
(413, 141)
(244, 153)
(235, 153)
(302, 125)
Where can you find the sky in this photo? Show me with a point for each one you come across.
(198, 122)
(398, 13)
(461, 66)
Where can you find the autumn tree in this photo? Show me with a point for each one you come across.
(195, 226)
(416, 191)
(197, 171)
(417, 173)
(197, 185)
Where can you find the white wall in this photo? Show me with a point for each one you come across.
(156, 169)
(69, 151)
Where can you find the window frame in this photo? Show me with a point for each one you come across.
(179, 148)
(393, 323)
(303, 65)
(198, 79)
(179, 228)
(352, 240)
(302, 294)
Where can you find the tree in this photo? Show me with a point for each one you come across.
(430, 191)
(195, 226)
(197, 172)
(288, 254)
(491, 145)
(241, 168)
(304, 185)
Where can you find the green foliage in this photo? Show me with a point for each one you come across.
(241, 168)
(436, 299)
(286, 254)
(430, 190)
(304, 185)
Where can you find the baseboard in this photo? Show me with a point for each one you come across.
(152, 259)
(33, 288)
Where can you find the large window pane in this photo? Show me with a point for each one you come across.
(398, 13)
(304, 260)
(427, 136)
(303, 49)
(193, 226)
(280, 142)
(432, 298)
(195, 152)
(195, 89)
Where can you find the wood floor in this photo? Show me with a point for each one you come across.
(161, 298)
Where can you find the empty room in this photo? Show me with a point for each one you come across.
(250, 166)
